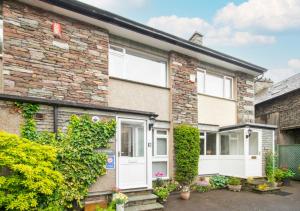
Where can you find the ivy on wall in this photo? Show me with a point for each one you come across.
(78, 158)
(28, 128)
(79, 161)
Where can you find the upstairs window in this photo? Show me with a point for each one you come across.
(131, 65)
(214, 85)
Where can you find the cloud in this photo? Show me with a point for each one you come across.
(184, 27)
(294, 64)
(116, 5)
(264, 14)
(278, 74)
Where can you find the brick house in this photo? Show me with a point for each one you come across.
(108, 66)
(279, 104)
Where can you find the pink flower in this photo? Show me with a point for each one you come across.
(159, 174)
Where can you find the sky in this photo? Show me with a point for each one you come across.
(263, 32)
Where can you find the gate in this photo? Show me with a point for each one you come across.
(289, 156)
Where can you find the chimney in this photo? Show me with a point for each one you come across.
(197, 38)
(262, 84)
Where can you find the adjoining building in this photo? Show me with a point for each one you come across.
(73, 58)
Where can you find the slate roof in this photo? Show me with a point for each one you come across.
(281, 88)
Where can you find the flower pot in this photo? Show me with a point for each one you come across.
(235, 188)
(119, 207)
(286, 182)
(185, 195)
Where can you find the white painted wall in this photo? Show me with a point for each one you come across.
(130, 95)
(216, 111)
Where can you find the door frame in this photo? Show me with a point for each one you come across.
(148, 148)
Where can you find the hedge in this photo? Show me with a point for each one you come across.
(187, 150)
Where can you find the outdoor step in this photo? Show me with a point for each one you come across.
(148, 207)
(141, 200)
(137, 192)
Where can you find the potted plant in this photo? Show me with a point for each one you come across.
(287, 175)
(234, 184)
(185, 192)
(120, 200)
(162, 193)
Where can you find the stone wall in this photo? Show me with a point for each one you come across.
(245, 98)
(183, 92)
(73, 68)
(287, 106)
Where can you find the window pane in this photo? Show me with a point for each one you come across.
(214, 85)
(140, 142)
(200, 81)
(228, 88)
(201, 146)
(145, 70)
(232, 143)
(126, 141)
(161, 132)
(116, 64)
(132, 140)
(253, 144)
(211, 144)
(161, 146)
(159, 167)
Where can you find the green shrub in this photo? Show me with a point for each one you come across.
(162, 193)
(202, 189)
(30, 181)
(218, 181)
(187, 149)
(234, 181)
(286, 173)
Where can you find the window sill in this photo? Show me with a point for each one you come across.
(221, 98)
(137, 82)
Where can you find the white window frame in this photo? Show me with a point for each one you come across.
(160, 158)
(224, 78)
(204, 137)
(138, 54)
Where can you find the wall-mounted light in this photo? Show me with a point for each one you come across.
(151, 122)
(249, 132)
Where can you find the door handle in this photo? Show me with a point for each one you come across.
(119, 154)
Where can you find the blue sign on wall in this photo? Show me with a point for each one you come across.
(110, 164)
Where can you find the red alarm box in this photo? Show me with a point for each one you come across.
(56, 29)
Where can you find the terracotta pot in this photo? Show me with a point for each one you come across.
(185, 195)
(235, 188)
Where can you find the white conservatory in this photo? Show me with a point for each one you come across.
(237, 150)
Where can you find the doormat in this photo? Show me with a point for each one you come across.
(282, 193)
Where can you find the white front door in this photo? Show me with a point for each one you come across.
(254, 156)
(132, 153)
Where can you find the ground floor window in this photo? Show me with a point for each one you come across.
(208, 143)
(160, 154)
(232, 143)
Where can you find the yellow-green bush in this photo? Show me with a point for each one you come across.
(28, 180)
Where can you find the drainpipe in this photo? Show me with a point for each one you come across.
(55, 119)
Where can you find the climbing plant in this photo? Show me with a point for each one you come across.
(79, 160)
(28, 128)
